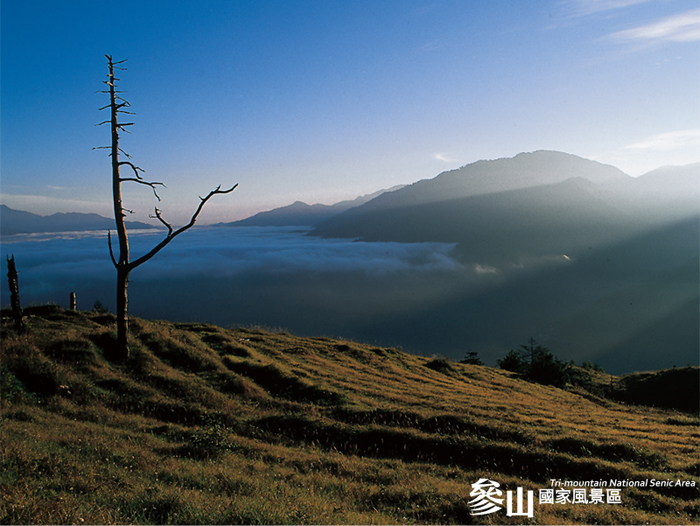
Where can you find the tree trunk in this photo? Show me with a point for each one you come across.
(123, 268)
(122, 351)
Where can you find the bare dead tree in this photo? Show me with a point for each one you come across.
(14, 294)
(122, 263)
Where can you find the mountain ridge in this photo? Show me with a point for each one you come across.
(511, 173)
(538, 168)
(514, 181)
(302, 214)
(21, 222)
(494, 176)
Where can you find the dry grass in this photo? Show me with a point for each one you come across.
(207, 425)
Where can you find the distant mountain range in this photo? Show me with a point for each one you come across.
(297, 214)
(535, 183)
(19, 222)
(301, 214)
(541, 193)
(529, 184)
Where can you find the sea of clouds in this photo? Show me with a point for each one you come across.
(50, 264)
(423, 297)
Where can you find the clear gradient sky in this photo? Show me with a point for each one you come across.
(324, 100)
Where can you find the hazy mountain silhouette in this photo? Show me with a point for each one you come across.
(527, 206)
(301, 214)
(552, 219)
(488, 177)
(670, 191)
(20, 222)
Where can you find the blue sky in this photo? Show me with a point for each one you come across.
(321, 101)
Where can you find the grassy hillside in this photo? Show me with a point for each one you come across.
(207, 425)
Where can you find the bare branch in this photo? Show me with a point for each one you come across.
(203, 201)
(172, 234)
(111, 252)
(136, 169)
(112, 84)
(103, 122)
(145, 183)
(160, 218)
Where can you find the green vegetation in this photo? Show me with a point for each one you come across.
(537, 363)
(472, 358)
(208, 425)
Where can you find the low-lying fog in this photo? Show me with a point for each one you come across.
(417, 296)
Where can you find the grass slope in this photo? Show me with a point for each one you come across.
(208, 425)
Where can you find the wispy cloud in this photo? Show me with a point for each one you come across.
(485, 269)
(580, 8)
(433, 45)
(444, 157)
(683, 27)
(589, 7)
(668, 141)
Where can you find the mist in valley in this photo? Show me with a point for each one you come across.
(620, 305)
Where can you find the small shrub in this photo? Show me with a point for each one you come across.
(548, 370)
(441, 365)
(11, 389)
(536, 363)
(512, 362)
(472, 358)
(98, 308)
(209, 441)
(590, 366)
